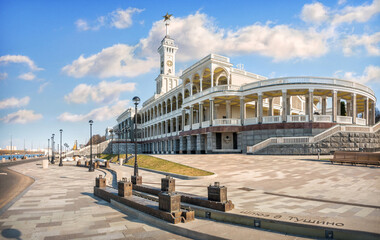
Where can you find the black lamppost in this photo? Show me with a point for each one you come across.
(91, 169)
(52, 149)
(118, 144)
(48, 149)
(60, 150)
(127, 128)
(136, 101)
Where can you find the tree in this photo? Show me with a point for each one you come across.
(96, 139)
(377, 115)
(342, 108)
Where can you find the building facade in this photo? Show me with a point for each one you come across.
(214, 107)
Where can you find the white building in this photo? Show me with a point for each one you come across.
(214, 107)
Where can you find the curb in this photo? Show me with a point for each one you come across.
(15, 199)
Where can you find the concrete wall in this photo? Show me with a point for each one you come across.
(370, 142)
(252, 137)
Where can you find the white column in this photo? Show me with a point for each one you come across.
(324, 104)
(353, 97)
(200, 114)
(177, 124)
(260, 116)
(211, 111)
(242, 110)
(270, 112)
(256, 113)
(211, 76)
(373, 115)
(284, 105)
(228, 108)
(311, 104)
(200, 84)
(191, 117)
(183, 119)
(334, 106)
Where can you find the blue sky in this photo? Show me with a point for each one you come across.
(65, 62)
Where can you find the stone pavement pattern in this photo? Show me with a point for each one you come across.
(279, 184)
(61, 205)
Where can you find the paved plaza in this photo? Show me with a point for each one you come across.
(295, 185)
(60, 205)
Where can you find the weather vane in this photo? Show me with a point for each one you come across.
(167, 22)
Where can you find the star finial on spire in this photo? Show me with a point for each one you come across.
(167, 17)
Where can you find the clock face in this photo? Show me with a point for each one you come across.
(169, 63)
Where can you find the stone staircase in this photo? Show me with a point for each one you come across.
(339, 137)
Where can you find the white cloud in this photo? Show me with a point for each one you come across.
(341, 2)
(19, 59)
(314, 13)
(119, 19)
(82, 25)
(27, 76)
(14, 102)
(21, 116)
(104, 92)
(42, 87)
(371, 74)
(197, 35)
(369, 42)
(3, 76)
(116, 61)
(359, 14)
(123, 18)
(317, 13)
(98, 114)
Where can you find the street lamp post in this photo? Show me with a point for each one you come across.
(111, 131)
(136, 179)
(118, 145)
(52, 149)
(48, 149)
(127, 128)
(60, 150)
(91, 169)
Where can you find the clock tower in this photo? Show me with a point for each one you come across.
(167, 50)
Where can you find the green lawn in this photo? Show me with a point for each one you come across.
(159, 164)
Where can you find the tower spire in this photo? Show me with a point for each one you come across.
(167, 22)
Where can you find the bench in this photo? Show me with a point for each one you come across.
(366, 158)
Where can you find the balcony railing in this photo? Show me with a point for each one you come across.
(344, 119)
(250, 121)
(195, 126)
(272, 119)
(205, 124)
(220, 88)
(186, 128)
(297, 118)
(226, 122)
(361, 121)
(322, 118)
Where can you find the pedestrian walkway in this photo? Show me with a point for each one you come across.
(299, 186)
(61, 205)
